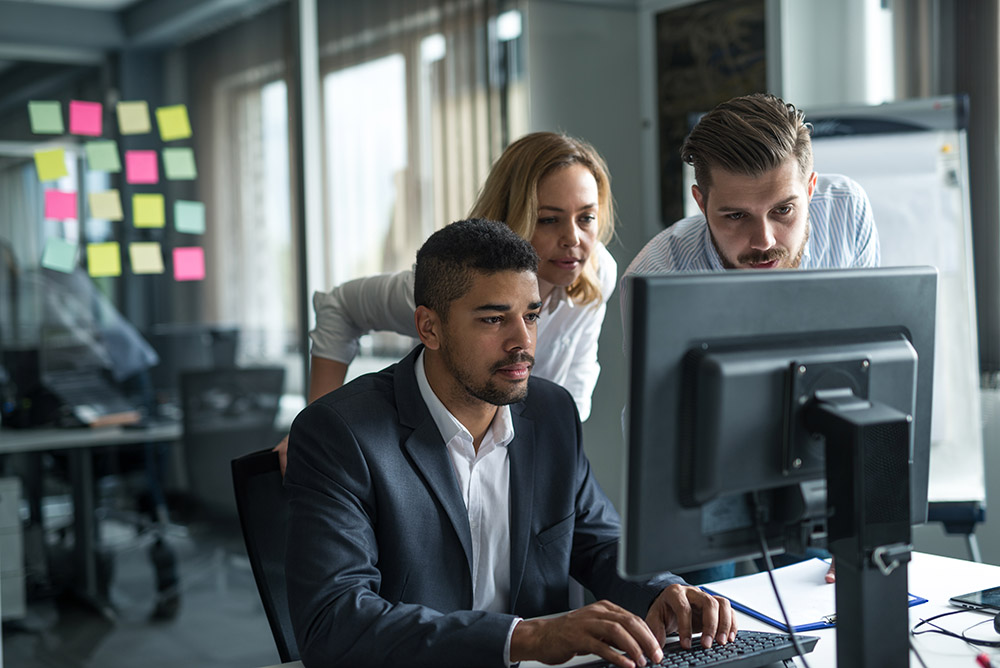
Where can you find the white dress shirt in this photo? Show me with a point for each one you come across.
(484, 479)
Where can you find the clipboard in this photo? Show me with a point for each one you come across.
(809, 600)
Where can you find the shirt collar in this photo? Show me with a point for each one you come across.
(502, 427)
(556, 297)
(714, 261)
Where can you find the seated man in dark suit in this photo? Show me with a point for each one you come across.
(440, 504)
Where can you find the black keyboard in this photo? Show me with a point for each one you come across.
(751, 649)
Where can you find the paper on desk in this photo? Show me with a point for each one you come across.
(809, 600)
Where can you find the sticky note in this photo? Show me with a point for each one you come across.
(46, 117)
(106, 205)
(146, 257)
(85, 118)
(104, 259)
(59, 255)
(51, 165)
(189, 217)
(178, 164)
(133, 118)
(102, 156)
(173, 122)
(60, 205)
(141, 167)
(148, 210)
(189, 263)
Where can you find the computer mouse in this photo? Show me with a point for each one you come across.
(996, 623)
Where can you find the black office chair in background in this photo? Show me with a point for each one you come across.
(227, 412)
(263, 512)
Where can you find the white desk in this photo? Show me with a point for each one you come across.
(932, 577)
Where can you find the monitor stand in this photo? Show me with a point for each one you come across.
(868, 501)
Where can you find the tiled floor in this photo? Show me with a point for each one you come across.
(219, 623)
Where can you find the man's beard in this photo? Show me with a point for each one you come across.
(490, 391)
(763, 257)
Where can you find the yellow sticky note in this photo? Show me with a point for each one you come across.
(146, 257)
(104, 259)
(51, 165)
(133, 118)
(106, 205)
(173, 122)
(148, 210)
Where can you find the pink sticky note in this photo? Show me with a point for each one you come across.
(189, 263)
(141, 167)
(60, 205)
(85, 118)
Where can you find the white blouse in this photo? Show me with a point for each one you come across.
(567, 337)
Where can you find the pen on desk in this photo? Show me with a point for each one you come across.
(984, 660)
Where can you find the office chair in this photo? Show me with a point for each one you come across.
(227, 412)
(263, 511)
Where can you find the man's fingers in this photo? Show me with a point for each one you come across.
(831, 574)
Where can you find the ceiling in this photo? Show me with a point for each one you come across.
(85, 31)
(109, 5)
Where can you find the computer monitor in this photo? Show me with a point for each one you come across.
(745, 394)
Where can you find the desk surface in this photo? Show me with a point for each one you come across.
(935, 578)
(51, 438)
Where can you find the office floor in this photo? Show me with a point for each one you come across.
(219, 622)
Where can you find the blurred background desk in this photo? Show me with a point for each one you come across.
(79, 445)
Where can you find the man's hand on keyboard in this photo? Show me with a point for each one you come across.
(600, 628)
(683, 610)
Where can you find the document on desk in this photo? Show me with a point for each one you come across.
(809, 600)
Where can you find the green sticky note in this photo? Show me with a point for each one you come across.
(106, 205)
(189, 217)
(133, 118)
(102, 156)
(146, 257)
(51, 165)
(104, 259)
(148, 210)
(173, 122)
(46, 117)
(59, 255)
(178, 164)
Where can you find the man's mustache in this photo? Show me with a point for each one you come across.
(516, 358)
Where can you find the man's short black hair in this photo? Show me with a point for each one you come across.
(449, 256)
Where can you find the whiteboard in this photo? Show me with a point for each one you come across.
(916, 175)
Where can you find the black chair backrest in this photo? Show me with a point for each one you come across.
(226, 412)
(263, 511)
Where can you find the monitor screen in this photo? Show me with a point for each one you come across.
(723, 367)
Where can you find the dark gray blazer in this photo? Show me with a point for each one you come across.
(379, 546)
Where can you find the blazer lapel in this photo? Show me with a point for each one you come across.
(522, 485)
(430, 456)
(428, 452)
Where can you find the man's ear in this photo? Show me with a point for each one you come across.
(700, 198)
(811, 185)
(428, 327)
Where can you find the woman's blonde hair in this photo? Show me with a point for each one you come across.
(510, 194)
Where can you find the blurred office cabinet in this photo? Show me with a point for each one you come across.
(227, 413)
(12, 591)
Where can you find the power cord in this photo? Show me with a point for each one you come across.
(759, 523)
(975, 642)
